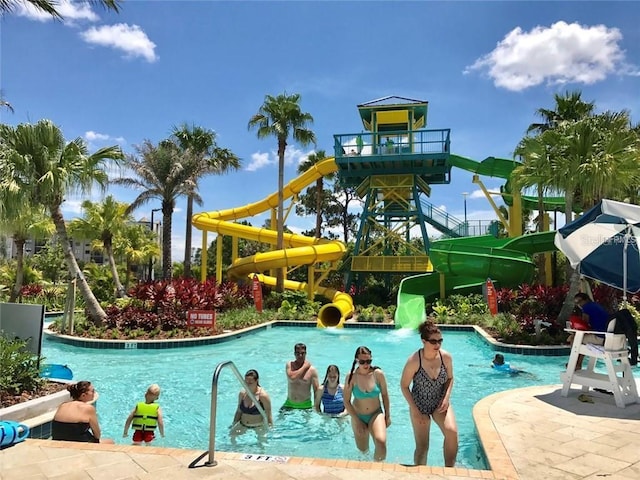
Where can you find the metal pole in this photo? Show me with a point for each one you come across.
(211, 462)
(466, 228)
(627, 236)
(153, 210)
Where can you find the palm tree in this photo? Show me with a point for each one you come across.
(281, 117)
(137, 244)
(101, 223)
(49, 6)
(200, 143)
(594, 158)
(612, 171)
(535, 170)
(305, 165)
(163, 172)
(22, 224)
(568, 108)
(47, 168)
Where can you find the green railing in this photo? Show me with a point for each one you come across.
(400, 142)
(453, 227)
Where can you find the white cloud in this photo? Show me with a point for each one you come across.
(70, 11)
(91, 136)
(559, 54)
(177, 247)
(292, 156)
(258, 160)
(96, 140)
(131, 39)
(72, 207)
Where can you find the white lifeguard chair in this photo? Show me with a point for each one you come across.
(619, 377)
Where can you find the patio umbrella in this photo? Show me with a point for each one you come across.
(603, 244)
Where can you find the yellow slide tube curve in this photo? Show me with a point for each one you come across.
(299, 249)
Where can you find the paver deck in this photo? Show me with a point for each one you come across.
(531, 434)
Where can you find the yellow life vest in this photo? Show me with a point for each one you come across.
(146, 416)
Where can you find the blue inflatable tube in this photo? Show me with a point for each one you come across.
(12, 432)
(61, 372)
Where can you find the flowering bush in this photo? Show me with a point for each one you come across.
(162, 305)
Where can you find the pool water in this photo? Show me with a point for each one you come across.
(184, 374)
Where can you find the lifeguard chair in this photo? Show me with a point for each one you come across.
(619, 377)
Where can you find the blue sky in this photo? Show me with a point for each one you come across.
(484, 67)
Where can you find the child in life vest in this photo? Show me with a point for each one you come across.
(145, 417)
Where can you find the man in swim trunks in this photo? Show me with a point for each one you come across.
(302, 378)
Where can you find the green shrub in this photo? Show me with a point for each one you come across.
(19, 370)
(243, 318)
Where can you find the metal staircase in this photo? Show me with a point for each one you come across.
(443, 221)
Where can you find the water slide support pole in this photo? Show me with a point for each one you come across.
(311, 283)
(505, 222)
(548, 266)
(234, 248)
(203, 257)
(219, 259)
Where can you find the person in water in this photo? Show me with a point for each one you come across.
(331, 399)
(368, 386)
(145, 416)
(500, 365)
(426, 383)
(76, 420)
(302, 378)
(247, 413)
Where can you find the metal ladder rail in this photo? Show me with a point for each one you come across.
(211, 462)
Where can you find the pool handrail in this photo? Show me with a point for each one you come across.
(214, 406)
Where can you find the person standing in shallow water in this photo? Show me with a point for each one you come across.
(330, 398)
(368, 385)
(426, 383)
(302, 378)
(247, 414)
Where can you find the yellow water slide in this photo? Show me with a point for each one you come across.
(298, 249)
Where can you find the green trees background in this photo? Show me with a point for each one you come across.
(571, 149)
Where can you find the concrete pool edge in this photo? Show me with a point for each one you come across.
(550, 350)
(498, 459)
(185, 457)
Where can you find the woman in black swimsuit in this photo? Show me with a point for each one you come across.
(76, 421)
(427, 380)
(247, 414)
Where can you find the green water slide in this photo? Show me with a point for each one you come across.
(502, 168)
(466, 264)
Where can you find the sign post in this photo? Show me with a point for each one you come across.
(257, 293)
(491, 297)
(201, 318)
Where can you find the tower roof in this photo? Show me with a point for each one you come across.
(390, 103)
(392, 100)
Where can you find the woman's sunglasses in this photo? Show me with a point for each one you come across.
(433, 341)
(363, 362)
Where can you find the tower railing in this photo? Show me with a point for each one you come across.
(397, 142)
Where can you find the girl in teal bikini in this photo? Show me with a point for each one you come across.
(368, 386)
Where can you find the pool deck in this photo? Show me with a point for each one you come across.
(530, 433)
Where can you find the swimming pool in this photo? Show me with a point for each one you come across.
(184, 374)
